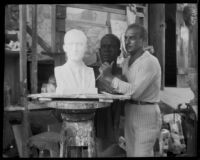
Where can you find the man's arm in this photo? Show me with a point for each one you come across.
(142, 80)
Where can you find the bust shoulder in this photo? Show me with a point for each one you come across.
(59, 68)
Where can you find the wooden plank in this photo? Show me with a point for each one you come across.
(23, 56)
(53, 28)
(100, 8)
(23, 75)
(109, 24)
(157, 34)
(79, 96)
(146, 20)
(41, 42)
(60, 12)
(34, 68)
(18, 134)
(60, 24)
(31, 106)
(60, 41)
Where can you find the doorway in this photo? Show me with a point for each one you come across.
(170, 46)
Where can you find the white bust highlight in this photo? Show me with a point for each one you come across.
(75, 44)
(74, 77)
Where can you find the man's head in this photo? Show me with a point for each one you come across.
(135, 36)
(75, 44)
(109, 48)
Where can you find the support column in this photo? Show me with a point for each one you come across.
(157, 35)
(34, 64)
(23, 76)
(78, 134)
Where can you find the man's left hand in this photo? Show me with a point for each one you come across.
(105, 70)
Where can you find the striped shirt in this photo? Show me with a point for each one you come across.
(143, 76)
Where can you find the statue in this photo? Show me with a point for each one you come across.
(74, 77)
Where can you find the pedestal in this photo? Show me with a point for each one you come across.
(78, 134)
(77, 110)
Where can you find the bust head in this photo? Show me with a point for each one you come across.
(75, 43)
(190, 15)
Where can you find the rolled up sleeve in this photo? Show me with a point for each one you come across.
(144, 77)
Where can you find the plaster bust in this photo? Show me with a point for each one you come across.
(74, 77)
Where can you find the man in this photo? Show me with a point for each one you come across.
(74, 77)
(143, 74)
(107, 119)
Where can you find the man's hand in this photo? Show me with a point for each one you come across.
(105, 70)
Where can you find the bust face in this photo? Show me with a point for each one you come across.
(190, 15)
(75, 45)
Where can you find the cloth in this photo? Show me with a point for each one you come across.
(73, 78)
(142, 122)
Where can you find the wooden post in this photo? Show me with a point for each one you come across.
(53, 28)
(146, 20)
(34, 67)
(41, 42)
(157, 35)
(23, 75)
(108, 23)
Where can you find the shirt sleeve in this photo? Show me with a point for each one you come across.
(143, 79)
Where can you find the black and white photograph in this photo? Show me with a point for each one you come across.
(100, 80)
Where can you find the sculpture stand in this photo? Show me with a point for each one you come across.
(78, 134)
(77, 138)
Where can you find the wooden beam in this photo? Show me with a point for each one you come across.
(157, 35)
(146, 21)
(108, 23)
(41, 42)
(53, 28)
(23, 75)
(60, 24)
(100, 8)
(60, 12)
(34, 67)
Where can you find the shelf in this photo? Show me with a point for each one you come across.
(11, 53)
(31, 106)
(40, 56)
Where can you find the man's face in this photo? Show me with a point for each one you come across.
(133, 40)
(109, 50)
(75, 49)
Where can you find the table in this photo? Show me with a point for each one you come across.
(77, 138)
(174, 96)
